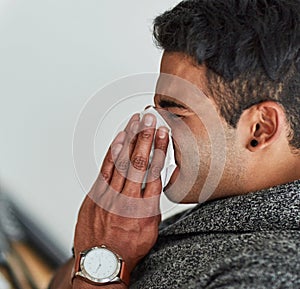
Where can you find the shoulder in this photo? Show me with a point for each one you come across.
(269, 264)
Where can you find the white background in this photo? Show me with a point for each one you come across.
(53, 56)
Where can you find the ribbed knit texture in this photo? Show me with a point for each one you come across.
(247, 241)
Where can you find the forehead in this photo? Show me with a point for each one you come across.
(183, 66)
(181, 78)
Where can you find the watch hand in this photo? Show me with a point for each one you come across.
(98, 267)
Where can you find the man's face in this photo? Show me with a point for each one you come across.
(200, 136)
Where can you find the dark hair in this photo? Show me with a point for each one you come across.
(250, 47)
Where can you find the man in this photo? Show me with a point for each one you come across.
(244, 56)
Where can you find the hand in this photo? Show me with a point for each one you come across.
(117, 212)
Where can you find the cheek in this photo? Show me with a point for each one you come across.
(191, 142)
(193, 134)
(192, 153)
(184, 140)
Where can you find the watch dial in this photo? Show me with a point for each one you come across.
(100, 263)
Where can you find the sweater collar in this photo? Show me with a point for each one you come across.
(276, 208)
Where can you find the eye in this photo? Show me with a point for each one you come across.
(176, 116)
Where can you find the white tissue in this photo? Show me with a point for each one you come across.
(170, 163)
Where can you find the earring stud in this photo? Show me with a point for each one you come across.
(254, 143)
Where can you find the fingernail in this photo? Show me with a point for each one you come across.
(162, 132)
(135, 127)
(148, 120)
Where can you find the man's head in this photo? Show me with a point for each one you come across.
(247, 53)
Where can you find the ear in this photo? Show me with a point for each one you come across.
(262, 124)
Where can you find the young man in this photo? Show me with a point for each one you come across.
(244, 56)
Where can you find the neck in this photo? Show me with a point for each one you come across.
(273, 170)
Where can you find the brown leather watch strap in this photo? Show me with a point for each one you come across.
(77, 263)
(124, 274)
(76, 267)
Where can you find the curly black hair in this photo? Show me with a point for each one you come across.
(250, 47)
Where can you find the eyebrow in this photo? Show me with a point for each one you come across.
(169, 103)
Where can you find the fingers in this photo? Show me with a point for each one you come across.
(113, 152)
(134, 118)
(140, 156)
(126, 163)
(122, 163)
(154, 185)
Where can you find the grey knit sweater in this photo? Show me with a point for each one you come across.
(248, 241)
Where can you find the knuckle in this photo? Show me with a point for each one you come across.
(110, 159)
(122, 165)
(139, 163)
(161, 145)
(106, 176)
(145, 135)
(155, 171)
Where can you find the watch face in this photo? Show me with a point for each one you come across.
(100, 265)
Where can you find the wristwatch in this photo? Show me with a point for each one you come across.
(100, 266)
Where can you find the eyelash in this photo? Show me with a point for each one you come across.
(173, 115)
